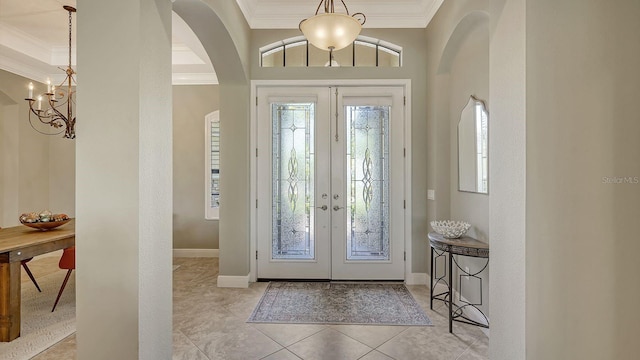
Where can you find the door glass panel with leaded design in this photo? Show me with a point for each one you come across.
(367, 182)
(293, 181)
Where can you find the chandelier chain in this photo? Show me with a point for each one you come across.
(70, 38)
(329, 6)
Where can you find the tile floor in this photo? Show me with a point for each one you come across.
(209, 323)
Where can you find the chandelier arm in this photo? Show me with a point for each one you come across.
(364, 17)
(48, 123)
(59, 116)
(345, 7)
(50, 119)
(40, 117)
(319, 5)
(42, 132)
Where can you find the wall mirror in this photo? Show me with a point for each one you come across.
(473, 147)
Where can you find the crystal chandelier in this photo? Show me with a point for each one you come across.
(332, 31)
(56, 99)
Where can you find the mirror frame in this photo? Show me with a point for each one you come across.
(473, 101)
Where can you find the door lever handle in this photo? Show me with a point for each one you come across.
(323, 207)
(336, 208)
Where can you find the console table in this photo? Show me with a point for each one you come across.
(465, 246)
(16, 244)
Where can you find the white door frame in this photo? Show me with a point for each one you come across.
(255, 84)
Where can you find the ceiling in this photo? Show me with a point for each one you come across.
(34, 33)
(286, 14)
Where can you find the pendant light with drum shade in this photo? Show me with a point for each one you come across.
(332, 31)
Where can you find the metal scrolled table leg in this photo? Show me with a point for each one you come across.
(450, 292)
(432, 275)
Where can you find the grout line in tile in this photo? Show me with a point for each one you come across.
(266, 356)
(391, 338)
(315, 333)
(463, 352)
(286, 346)
(468, 349)
(367, 353)
(372, 348)
(194, 345)
(340, 332)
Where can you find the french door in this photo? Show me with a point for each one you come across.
(330, 183)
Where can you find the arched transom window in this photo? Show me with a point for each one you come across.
(363, 52)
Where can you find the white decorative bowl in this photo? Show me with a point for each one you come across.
(450, 229)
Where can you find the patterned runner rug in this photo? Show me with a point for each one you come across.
(338, 303)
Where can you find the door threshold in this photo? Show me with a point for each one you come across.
(292, 280)
(400, 281)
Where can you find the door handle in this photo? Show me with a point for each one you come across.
(323, 207)
(336, 208)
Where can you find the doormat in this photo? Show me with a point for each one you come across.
(338, 303)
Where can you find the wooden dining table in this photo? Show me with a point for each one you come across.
(18, 243)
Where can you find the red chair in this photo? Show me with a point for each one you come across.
(26, 268)
(67, 261)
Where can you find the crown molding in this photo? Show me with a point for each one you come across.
(431, 11)
(247, 9)
(22, 42)
(183, 55)
(194, 79)
(42, 73)
(21, 68)
(35, 62)
(29, 56)
(60, 56)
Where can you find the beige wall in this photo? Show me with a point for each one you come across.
(457, 67)
(221, 25)
(190, 105)
(234, 179)
(507, 153)
(583, 84)
(469, 75)
(62, 176)
(5, 101)
(124, 180)
(25, 154)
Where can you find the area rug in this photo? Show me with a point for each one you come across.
(338, 303)
(42, 328)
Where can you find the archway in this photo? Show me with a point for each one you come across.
(224, 34)
(124, 166)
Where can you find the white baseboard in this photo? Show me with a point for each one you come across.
(196, 253)
(233, 281)
(416, 279)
